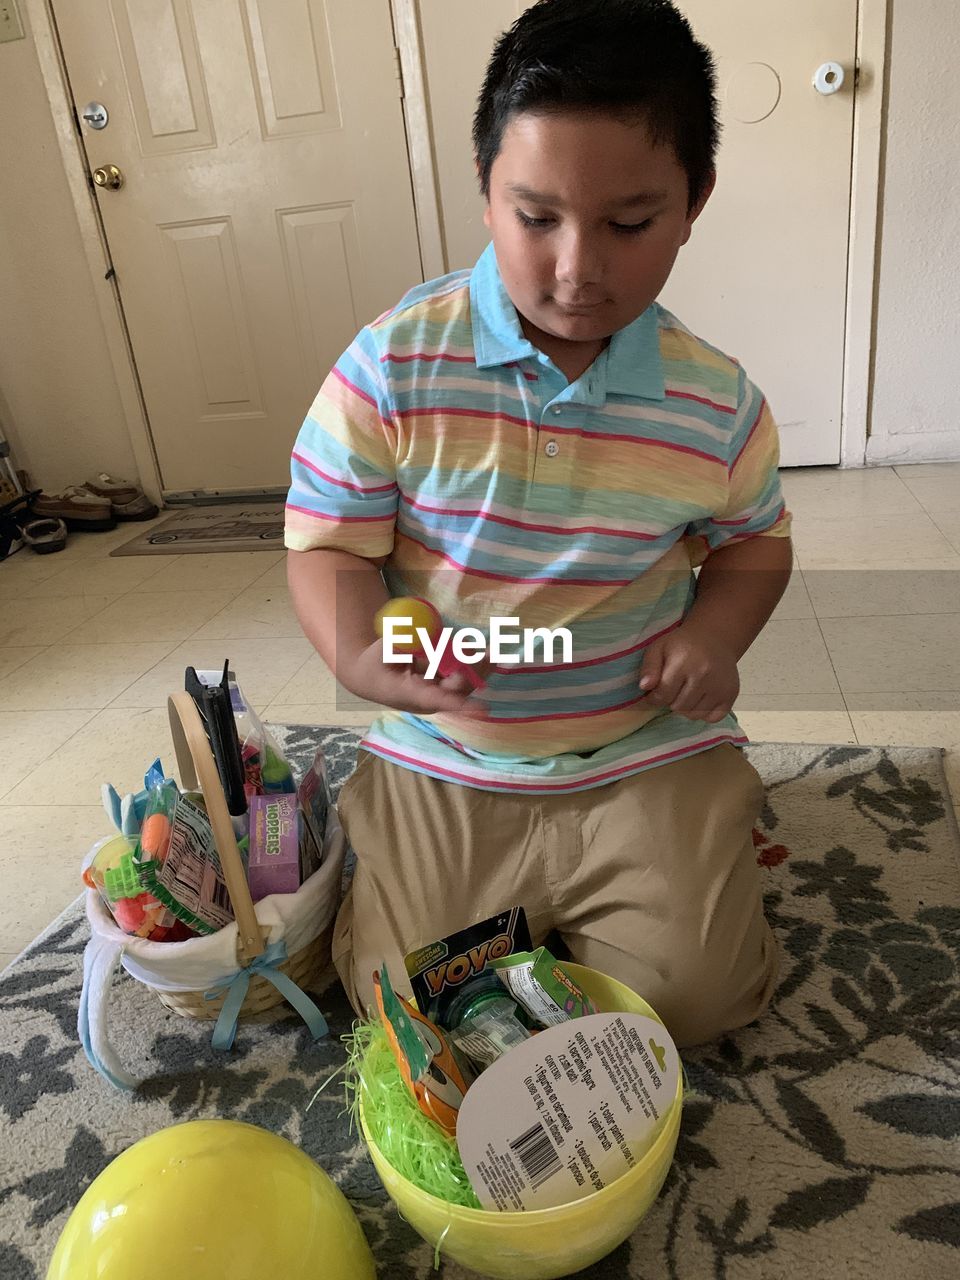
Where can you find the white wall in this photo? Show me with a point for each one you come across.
(916, 400)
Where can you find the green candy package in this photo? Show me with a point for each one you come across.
(542, 986)
(178, 862)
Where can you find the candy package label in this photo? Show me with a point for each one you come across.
(273, 864)
(189, 880)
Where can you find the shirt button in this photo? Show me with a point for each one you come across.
(551, 449)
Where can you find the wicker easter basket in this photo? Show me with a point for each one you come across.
(269, 954)
(198, 772)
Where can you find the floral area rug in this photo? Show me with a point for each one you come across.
(823, 1141)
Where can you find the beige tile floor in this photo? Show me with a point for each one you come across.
(865, 647)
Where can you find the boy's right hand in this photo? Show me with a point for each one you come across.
(404, 687)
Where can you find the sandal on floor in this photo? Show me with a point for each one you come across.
(45, 536)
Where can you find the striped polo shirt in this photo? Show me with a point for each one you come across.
(445, 441)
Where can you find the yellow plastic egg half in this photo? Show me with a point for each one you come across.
(212, 1200)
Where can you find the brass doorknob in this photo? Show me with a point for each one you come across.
(108, 176)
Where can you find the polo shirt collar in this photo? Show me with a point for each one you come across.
(634, 365)
(497, 336)
(634, 362)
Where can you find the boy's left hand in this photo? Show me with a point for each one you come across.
(691, 673)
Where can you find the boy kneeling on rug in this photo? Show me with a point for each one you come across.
(537, 439)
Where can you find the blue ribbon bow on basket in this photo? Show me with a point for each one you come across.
(267, 966)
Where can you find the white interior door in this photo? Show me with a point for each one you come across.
(764, 275)
(265, 215)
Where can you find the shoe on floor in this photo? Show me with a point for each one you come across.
(45, 536)
(127, 500)
(76, 507)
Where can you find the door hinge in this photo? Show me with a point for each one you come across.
(399, 69)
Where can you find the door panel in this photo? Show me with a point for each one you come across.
(216, 345)
(321, 244)
(290, 44)
(163, 74)
(265, 216)
(764, 274)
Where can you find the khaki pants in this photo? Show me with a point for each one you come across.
(652, 880)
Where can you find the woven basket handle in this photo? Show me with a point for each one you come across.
(198, 769)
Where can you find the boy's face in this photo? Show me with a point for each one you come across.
(580, 252)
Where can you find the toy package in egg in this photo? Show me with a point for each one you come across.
(543, 987)
(486, 1037)
(426, 1061)
(452, 976)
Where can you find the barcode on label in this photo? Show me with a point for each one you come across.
(221, 897)
(537, 1154)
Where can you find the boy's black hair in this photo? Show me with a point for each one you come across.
(619, 57)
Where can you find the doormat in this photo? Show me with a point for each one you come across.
(236, 527)
(820, 1142)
